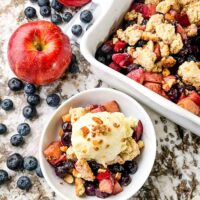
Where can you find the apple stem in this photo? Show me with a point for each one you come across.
(38, 46)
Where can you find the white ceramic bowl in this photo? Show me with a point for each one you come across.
(130, 108)
(109, 17)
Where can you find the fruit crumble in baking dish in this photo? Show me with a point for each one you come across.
(97, 149)
(158, 46)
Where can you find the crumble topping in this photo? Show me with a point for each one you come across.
(152, 2)
(70, 154)
(146, 58)
(166, 32)
(76, 113)
(176, 44)
(131, 15)
(191, 30)
(85, 131)
(163, 7)
(190, 73)
(97, 120)
(185, 2)
(150, 36)
(149, 45)
(168, 61)
(131, 35)
(79, 187)
(155, 20)
(164, 49)
(140, 18)
(132, 150)
(84, 170)
(193, 12)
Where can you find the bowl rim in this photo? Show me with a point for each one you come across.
(154, 97)
(150, 124)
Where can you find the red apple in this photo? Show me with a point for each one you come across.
(74, 3)
(38, 52)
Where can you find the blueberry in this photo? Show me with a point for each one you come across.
(66, 139)
(86, 16)
(100, 194)
(74, 68)
(191, 58)
(102, 59)
(181, 88)
(3, 176)
(106, 48)
(77, 30)
(15, 84)
(141, 43)
(29, 112)
(189, 87)
(30, 163)
(129, 23)
(99, 51)
(3, 129)
(24, 183)
(62, 169)
(132, 67)
(173, 94)
(17, 140)
(57, 6)
(131, 167)
(29, 88)
(139, 1)
(56, 19)
(33, 99)
(67, 16)
(15, 162)
(109, 57)
(94, 166)
(67, 127)
(125, 179)
(39, 172)
(144, 22)
(43, 2)
(179, 59)
(53, 100)
(197, 40)
(23, 129)
(45, 11)
(116, 168)
(7, 104)
(30, 12)
(188, 49)
(90, 188)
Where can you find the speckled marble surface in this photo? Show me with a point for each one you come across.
(176, 171)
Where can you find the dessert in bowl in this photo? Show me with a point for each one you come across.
(144, 47)
(93, 147)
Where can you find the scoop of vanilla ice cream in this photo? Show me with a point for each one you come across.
(102, 136)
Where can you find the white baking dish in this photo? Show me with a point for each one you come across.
(111, 11)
